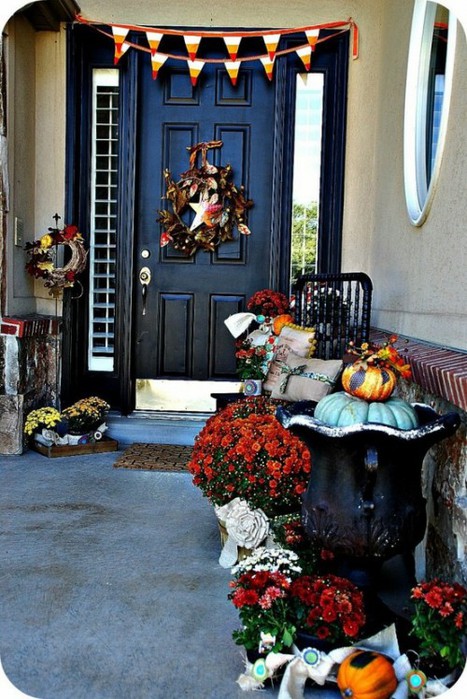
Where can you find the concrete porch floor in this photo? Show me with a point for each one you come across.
(110, 586)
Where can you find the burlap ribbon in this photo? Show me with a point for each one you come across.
(300, 371)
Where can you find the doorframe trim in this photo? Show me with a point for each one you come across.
(125, 239)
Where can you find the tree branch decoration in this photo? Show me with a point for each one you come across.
(41, 262)
(219, 205)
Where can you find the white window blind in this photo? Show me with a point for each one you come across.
(102, 243)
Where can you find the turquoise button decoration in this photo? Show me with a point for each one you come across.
(259, 670)
(416, 680)
(311, 656)
(260, 318)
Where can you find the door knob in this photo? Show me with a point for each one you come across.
(144, 279)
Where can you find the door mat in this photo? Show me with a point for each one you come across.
(155, 457)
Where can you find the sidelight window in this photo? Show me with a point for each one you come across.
(307, 173)
(102, 240)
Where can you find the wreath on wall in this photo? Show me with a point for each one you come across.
(43, 253)
(219, 205)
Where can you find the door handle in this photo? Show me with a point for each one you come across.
(144, 280)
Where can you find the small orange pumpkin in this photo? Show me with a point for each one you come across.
(371, 383)
(279, 322)
(366, 674)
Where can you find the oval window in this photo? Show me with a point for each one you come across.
(428, 91)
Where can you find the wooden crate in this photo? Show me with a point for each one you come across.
(105, 444)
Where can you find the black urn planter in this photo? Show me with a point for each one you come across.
(364, 501)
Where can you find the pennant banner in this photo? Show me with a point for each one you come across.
(119, 34)
(232, 40)
(192, 43)
(154, 39)
(268, 66)
(157, 60)
(232, 68)
(232, 43)
(271, 41)
(305, 54)
(195, 68)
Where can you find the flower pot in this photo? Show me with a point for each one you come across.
(253, 387)
(304, 639)
(74, 439)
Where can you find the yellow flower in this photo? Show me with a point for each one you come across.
(46, 241)
(46, 266)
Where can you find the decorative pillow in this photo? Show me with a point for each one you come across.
(292, 338)
(306, 379)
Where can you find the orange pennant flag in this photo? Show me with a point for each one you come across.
(195, 68)
(157, 60)
(232, 43)
(154, 39)
(271, 41)
(305, 54)
(120, 45)
(232, 68)
(268, 66)
(312, 36)
(192, 43)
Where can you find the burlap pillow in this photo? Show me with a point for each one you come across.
(292, 338)
(306, 379)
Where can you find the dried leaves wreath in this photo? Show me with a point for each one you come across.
(41, 263)
(219, 205)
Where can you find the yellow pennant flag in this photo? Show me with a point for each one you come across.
(120, 34)
(192, 43)
(305, 54)
(232, 43)
(157, 60)
(232, 68)
(154, 39)
(312, 36)
(195, 68)
(271, 41)
(268, 66)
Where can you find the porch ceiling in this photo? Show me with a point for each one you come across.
(46, 15)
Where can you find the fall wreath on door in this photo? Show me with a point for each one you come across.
(219, 205)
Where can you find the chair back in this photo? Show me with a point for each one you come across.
(338, 306)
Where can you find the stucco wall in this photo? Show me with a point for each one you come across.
(36, 151)
(418, 272)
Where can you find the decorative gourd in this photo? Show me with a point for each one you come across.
(279, 321)
(341, 410)
(368, 382)
(366, 674)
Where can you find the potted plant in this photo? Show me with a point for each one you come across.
(82, 422)
(40, 422)
(328, 610)
(439, 623)
(260, 591)
(251, 360)
(86, 416)
(268, 304)
(244, 452)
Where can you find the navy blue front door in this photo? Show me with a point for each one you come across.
(182, 333)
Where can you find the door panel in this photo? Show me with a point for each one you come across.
(182, 332)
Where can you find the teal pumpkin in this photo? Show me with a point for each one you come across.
(341, 410)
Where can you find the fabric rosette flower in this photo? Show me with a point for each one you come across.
(244, 526)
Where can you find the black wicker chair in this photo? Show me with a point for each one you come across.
(338, 306)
